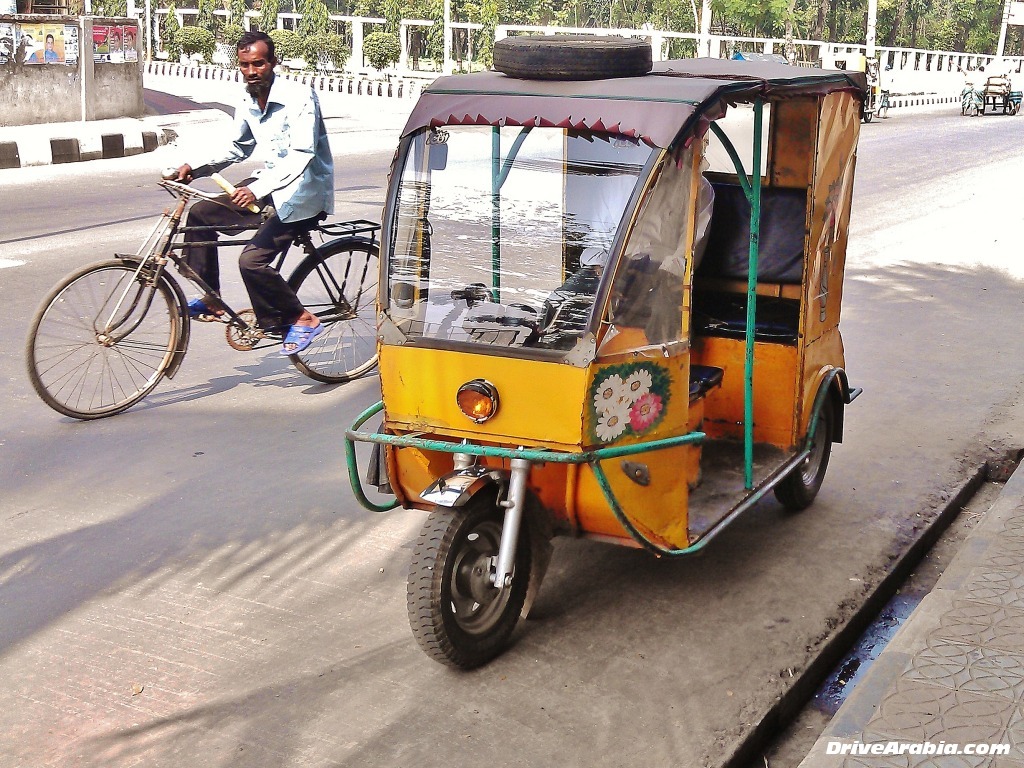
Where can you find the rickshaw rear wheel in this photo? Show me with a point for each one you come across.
(797, 490)
(457, 615)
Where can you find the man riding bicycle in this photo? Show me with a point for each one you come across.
(297, 182)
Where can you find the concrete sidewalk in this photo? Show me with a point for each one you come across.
(188, 110)
(953, 675)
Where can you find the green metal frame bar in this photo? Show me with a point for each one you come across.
(593, 458)
(751, 186)
(530, 454)
(499, 173)
(496, 214)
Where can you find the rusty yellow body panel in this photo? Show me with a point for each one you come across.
(613, 403)
(541, 403)
(775, 390)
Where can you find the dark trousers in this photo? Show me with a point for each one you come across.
(274, 301)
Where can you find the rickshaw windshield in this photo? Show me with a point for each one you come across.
(499, 236)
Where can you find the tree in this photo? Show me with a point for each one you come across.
(268, 15)
(205, 19)
(314, 19)
(236, 13)
(196, 40)
(382, 49)
(286, 44)
(114, 8)
(321, 50)
(169, 33)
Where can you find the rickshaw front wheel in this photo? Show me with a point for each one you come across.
(457, 615)
(797, 490)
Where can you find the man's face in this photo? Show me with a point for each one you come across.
(257, 66)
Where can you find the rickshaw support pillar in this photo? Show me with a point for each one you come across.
(513, 504)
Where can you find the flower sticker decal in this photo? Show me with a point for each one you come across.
(611, 394)
(645, 412)
(613, 422)
(628, 400)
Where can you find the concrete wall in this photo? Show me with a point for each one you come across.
(53, 93)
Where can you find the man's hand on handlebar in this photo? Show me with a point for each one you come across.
(182, 173)
(243, 197)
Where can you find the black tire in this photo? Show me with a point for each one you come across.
(456, 614)
(82, 368)
(868, 115)
(339, 285)
(798, 489)
(563, 57)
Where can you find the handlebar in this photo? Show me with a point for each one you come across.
(184, 190)
(171, 184)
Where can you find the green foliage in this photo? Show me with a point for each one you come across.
(194, 40)
(382, 49)
(236, 13)
(324, 49)
(112, 8)
(169, 33)
(205, 19)
(286, 44)
(230, 34)
(314, 19)
(268, 16)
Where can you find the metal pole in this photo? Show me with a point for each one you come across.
(496, 213)
(748, 364)
(1002, 28)
(449, 66)
(872, 26)
(705, 28)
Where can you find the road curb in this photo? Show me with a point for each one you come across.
(807, 682)
(45, 148)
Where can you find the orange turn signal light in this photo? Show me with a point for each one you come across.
(478, 399)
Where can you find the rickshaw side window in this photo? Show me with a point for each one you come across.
(738, 125)
(647, 290)
(488, 238)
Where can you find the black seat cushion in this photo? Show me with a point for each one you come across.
(725, 314)
(704, 378)
(781, 241)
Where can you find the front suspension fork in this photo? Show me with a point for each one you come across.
(513, 504)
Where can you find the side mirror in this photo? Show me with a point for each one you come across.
(438, 158)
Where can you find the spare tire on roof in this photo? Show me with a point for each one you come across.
(564, 57)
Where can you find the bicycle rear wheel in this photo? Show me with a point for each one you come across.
(102, 340)
(339, 285)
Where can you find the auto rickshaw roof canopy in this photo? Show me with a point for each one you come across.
(658, 107)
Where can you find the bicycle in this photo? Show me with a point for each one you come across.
(107, 334)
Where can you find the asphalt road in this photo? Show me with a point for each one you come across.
(192, 583)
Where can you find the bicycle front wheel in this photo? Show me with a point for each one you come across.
(339, 286)
(102, 340)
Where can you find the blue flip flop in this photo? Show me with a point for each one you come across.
(300, 337)
(200, 310)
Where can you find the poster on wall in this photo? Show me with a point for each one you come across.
(9, 6)
(100, 47)
(8, 42)
(114, 35)
(44, 43)
(128, 38)
(70, 44)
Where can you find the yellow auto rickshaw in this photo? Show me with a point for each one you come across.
(609, 307)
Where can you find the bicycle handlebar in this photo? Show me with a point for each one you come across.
(184, 190)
